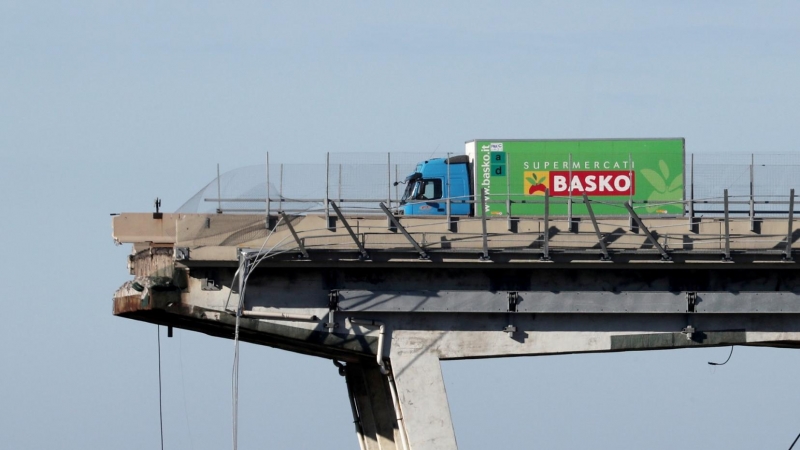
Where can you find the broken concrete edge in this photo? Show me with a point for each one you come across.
(164, 307)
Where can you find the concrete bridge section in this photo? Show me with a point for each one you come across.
(388, 299)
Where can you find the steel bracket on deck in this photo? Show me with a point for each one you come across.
(303, 252)
(361, 249)
(664, 256)
(396, 223)
(600, 239)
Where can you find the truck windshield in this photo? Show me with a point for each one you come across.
(422, 190)
(428, 190)
(409, 192)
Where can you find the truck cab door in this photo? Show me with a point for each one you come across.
(427, 197)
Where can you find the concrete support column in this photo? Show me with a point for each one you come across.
(423, 400)
(378, 423)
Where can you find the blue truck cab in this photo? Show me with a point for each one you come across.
(433, 182)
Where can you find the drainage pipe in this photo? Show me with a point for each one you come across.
(401, 427)
(279, 316)
(381, 328)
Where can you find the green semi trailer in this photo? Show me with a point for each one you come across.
(515, 174)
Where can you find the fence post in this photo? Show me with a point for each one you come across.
(219, 193)
(630, 192)
(281, 189)
(508, 194)
(485, 254)
(396, 192)
(691, 195)
(569, 198)
(787, 253)
(327, 189)
(268, 204)
(727, 256)
(546, 233)
(389, 223)
(752, 199)
(447, 205)
(389, 177)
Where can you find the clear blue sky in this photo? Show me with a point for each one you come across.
(105, 106)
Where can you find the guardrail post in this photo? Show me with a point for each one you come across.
(389, 179)
(396, 191)
(389, 186)
(752, 199)
(268, 203)
(727, 256)
(569, 198)
(630, 192)
(546, 233)
(787, 253)
(691, 195)
(447, 205)
(327, 185)
(219, 193)
(485, 254)
(508, 195)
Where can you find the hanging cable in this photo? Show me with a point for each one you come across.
(235, 371)
(183, 388)
(795, 442)
(160, 411)
(243, 273)
(726, 361)
(236, 274)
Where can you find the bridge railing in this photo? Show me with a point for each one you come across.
(544, 234)
(758, 185)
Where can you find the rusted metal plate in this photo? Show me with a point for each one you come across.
(129, 304)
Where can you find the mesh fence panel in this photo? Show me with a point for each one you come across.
(359, 181)
(240, 190)
(367, 178)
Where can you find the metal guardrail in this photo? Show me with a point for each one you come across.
(746, 202)
(691, 212)
(664, 238)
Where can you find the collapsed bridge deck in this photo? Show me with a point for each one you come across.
(391, 296)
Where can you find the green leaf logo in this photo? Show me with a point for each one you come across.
(664, 169)
(662, 192)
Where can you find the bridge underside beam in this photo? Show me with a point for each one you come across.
(569, 302)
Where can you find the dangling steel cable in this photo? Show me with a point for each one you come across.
(160, 411)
